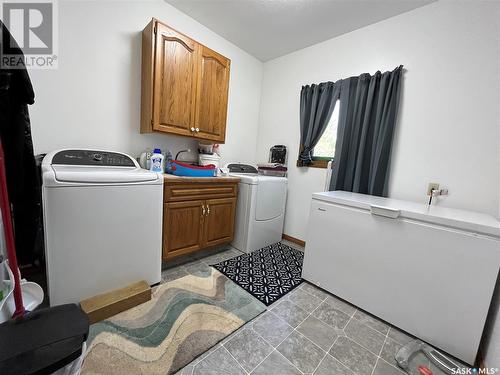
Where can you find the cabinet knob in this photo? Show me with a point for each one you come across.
(202, 210)
(208, 209)
(192, 129)
(197, 129)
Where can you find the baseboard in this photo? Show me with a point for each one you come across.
(294, 240)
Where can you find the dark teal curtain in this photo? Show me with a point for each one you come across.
(317, 103)
(367, 120)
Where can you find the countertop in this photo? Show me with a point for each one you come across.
(171, 178)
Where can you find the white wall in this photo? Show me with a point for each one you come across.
(449, 119)
(93, 98)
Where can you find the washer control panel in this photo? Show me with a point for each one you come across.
(93, 158)
(241, 168)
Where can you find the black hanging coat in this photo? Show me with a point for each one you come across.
(23, 183)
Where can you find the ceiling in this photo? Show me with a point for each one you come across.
(271, 28)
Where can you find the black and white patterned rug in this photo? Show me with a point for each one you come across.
(268, 273)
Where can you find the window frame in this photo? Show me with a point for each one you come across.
(321, 161)
(317, 162)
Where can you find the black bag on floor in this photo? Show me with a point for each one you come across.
(43, 341)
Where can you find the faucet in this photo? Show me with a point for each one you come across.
(180, 152)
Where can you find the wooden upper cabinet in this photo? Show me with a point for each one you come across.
(174, 82)
(213, 84)
(184, 85)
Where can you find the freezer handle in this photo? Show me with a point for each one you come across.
(391, 213)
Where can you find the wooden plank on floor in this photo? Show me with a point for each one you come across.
(108, 304)
(294, 240)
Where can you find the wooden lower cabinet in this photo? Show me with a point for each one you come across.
(219, 222)
(192, 225)
(183, 227)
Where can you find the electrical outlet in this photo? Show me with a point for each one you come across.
(432, 186)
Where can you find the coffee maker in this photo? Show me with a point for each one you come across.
(277, 155)
(277, 162)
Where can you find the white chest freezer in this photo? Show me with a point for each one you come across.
(430, 271)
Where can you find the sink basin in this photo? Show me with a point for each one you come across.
(179, 168)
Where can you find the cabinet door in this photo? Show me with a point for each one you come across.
(182, 228)
(211, 105)
(219, 221)
(175, 77)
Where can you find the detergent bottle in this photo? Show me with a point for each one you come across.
(156, 161)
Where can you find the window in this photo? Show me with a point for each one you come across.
(325, 149)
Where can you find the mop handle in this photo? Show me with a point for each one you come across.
(9, 236)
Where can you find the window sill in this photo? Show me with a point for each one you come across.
(320, 163)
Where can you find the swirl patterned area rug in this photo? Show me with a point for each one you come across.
(184, 318)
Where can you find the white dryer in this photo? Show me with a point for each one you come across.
(103, 223)
(260, 210)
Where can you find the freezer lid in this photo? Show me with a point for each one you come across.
(461, 219)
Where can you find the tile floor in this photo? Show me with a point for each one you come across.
(309, 331)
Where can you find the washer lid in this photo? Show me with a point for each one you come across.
(255, 179)
(65, 173)
(247, 178)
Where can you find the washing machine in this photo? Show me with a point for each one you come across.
(260, 209)
(103, 223)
